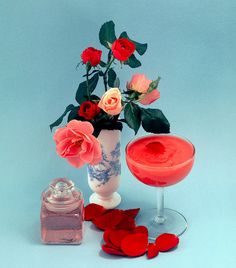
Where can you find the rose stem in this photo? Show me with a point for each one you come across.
(87, 80)
(105, 73)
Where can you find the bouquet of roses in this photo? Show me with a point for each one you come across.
(105, 112)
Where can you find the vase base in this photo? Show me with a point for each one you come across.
(109, 203)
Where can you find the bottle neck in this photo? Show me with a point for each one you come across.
(61, 196)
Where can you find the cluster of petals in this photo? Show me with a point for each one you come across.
(91, 55)
(111, 102)
(122, 49)
(121, 235)
(77, 145)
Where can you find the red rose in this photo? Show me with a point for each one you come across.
(122, 49)
(88, 110)
(91, 55)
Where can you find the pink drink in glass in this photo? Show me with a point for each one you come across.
(160, 160)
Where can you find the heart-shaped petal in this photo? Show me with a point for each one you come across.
(108, 220)
(92, 211)
(153, 250)
(106, 238)
(116, 236)
(127, 223)
(134, 245)
(166, 242)
(132, 212)
(140, 230)
(112, 251)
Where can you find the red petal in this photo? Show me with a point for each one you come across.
(126, 223)
(106, 239)
(153, 251)
(108, 220)
(166, 242)
(141, 230)
(116, 236)
(93, 211)
(106, 236)
(134, 245)
(132, 212)
(112, 251)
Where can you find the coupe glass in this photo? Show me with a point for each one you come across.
(160, 161)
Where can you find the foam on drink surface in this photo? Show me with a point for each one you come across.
(163, 151)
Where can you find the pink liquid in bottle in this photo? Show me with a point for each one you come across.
(160, 160)
(62, 213)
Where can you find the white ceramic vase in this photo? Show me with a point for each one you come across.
(104, 178)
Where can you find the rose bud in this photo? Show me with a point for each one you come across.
(140, 83)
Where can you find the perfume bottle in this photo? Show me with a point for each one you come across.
(62, 213)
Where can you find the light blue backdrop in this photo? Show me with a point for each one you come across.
(192, 47)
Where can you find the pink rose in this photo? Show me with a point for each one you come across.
(141, 83)
(111, 101)
(148, 98)
(76, 143)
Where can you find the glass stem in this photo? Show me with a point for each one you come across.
(160, 218)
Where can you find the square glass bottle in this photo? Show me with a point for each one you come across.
(62, 213)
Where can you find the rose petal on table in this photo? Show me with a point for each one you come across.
(112, 251)
(108, 220)
(92, 211)
(140, 230)
(116, 236)
(126, 223)
(106, 239)
(134, 245)
(166, 242)
(152, 250)
(132, 212)
(106, 236)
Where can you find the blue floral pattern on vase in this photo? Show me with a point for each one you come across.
(107, 168)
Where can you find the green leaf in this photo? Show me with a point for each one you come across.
(116, 82)
(102, 64)
(111, 77)
(132, 116)
(154, 121)
(154, 84)
(59, 120)
(140, 48)
(73, 114)
(107, 34)
(81, 94)
(133, 62)
(94, 98)
(132, 95)
(128, 92)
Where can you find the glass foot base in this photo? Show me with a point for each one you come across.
(174, 223)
